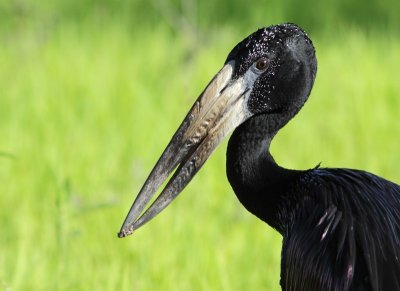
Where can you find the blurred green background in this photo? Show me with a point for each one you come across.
(90, 94)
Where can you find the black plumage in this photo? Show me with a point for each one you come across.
(340, 227)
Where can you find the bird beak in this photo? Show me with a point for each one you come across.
(218, 110)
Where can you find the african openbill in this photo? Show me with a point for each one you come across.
(340, 227)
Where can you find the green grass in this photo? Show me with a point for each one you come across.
(85, 113)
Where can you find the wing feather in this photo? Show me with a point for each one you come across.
(343, 233)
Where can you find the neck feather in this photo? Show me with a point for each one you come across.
(258, 181)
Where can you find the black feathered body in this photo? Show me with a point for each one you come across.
(340, 227)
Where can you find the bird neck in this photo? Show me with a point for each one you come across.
(258, 181)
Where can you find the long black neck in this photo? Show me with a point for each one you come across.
(259, 183)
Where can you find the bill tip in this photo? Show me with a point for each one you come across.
(125, 232)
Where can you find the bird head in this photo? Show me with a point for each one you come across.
(270, 72)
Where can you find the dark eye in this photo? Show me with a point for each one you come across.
(262, 64)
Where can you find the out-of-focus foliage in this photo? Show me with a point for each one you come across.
(90, 93)
(315, 16)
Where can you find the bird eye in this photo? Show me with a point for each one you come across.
(262, 64)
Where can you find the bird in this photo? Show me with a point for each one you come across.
(340, 226)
